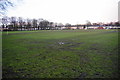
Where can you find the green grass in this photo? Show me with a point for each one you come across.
(40, 54)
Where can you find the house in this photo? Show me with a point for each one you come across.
(100, 28)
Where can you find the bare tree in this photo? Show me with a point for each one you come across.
(29, 24)
(68, 25)
(88, 23)
(20, 21)
(14, 23)
(44, 24)
(35, 23)
(50, 25)
(38, 22)
(4, 4)
(4, 21)
(59, 25)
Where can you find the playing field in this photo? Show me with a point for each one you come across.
(60, 54)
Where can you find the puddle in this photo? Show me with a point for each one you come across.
(61, 43)
(70, 44)
(65, 45)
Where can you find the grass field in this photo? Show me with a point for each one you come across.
(60, 54)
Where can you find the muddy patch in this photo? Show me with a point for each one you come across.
(110, 32)
(35, 42)
(68, 45)
(23, 33)
(28, 41)
(65, 57)
(82, 75)
(61, 43)
(22, 40)
(33, 47)
(94, 47)
(84, 59)
(97, 75)
(9, 72)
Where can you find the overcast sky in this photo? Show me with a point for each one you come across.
(68, 11)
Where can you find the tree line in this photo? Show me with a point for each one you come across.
(14, 23)
(19, 23)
